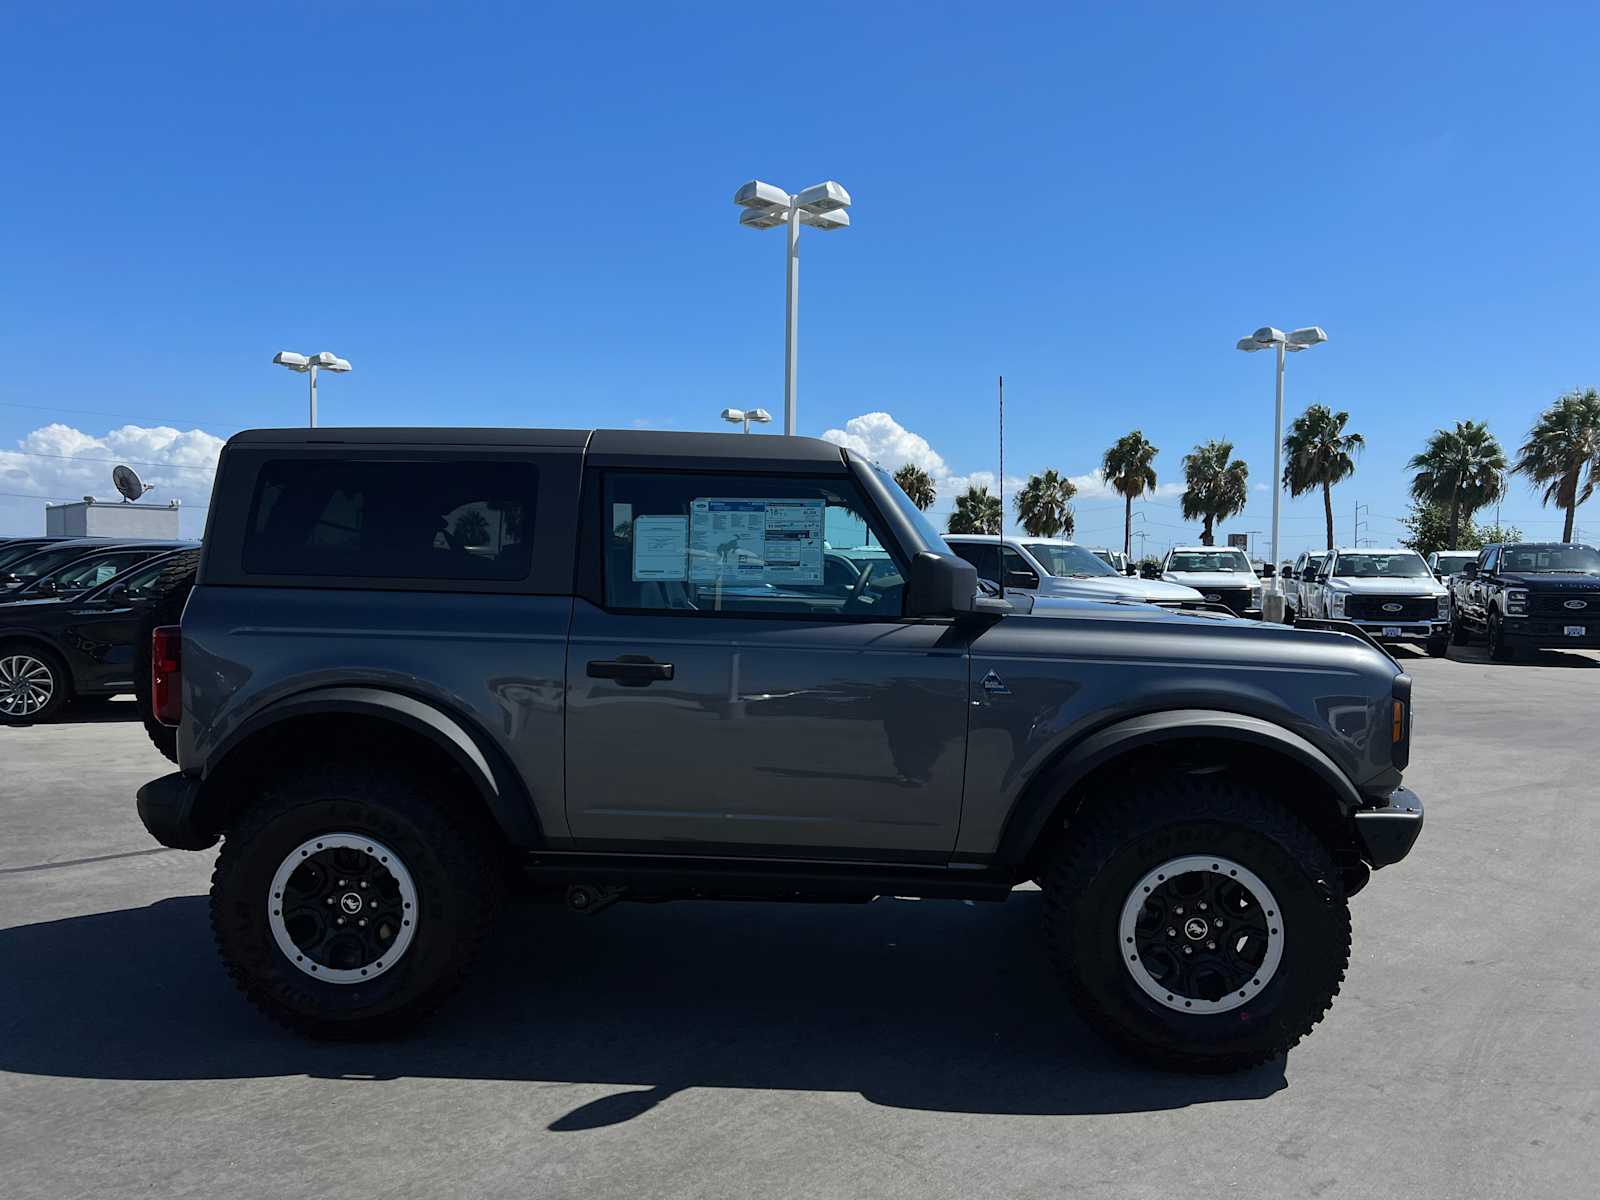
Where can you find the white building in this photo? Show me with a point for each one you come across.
(105, 518)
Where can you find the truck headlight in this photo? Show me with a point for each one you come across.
(1255, 597)
(1336, 604)
(1444, 608)
(1517, 602)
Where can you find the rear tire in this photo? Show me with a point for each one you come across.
(292, 879)
(1299, 927)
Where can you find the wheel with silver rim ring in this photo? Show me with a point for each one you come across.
(1201, 934)
(343, 908)
(33, 684)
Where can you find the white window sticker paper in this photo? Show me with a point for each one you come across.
(755, 541)
(661, 548)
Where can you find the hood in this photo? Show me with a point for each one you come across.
(1213, 579)
(1422, 585)
(1114, 587)
(1543, 581)
(1127, 609)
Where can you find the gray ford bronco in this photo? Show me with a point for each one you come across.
(419, 665)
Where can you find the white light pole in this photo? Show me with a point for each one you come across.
(821, 206)
(759, 415)
(310, 365)
(1293, 343)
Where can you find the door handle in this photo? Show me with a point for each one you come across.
(630, 670)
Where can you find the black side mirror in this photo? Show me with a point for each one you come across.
(1268, 570)
(940, 586)
(1026, 580)
(1288, 572)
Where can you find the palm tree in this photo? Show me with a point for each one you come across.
(976, 511)
(1217, 488)
(1044, 505)
(1462, 469)
(1563, 447)
(1126, 467)
(1319, 453)
(917, 484)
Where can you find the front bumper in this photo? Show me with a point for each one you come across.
(1410, 631)
(166, 806)
(1387, 834)
(1550, 633)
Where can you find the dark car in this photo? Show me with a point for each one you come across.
(87, 570)
(13, 549)
(56, 650)
(419, 663)
(44, 560)
(1528, 595)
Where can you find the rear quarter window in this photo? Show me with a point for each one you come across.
(426, 519)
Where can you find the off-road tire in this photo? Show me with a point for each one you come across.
(173, 587)
(60, 682)
(1500, 650)
(1437, 647)
(1114, 842)
(449, 855)
(1459, 633)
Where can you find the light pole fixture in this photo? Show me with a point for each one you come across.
(821, 206)
(1291, 343)
(309, 365)
(759, 415)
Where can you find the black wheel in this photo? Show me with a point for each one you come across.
(172, 590)
(1438, 647)
(1459, 633)
(34, 683)
(1197, 923)
(1499, 649)
(350, 901)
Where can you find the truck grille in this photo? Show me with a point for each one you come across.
(1554, 604)
(1372, 608)
(1238, 599)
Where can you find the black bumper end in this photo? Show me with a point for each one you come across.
(166, 806)
(1387, 834)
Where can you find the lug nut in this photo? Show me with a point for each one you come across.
(1218, 922)
(1202, 904)
(363, 924)
(364, 884)
(329, 900)
(1172, 933)
(1188, 949)
(340, 921)
(1209, 945)
(1179, 910)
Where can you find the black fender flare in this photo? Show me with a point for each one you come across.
(504, 797)
(1041, 798)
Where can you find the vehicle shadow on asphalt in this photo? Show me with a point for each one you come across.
(937, 1005)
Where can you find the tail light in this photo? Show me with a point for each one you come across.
(166, 674)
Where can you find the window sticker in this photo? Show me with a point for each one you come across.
(660, 548)
(755, 541)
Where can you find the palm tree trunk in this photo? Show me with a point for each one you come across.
(1327, 509)
(1572, 508)
(1127, 525)
(1455, 517)
(1205, 533)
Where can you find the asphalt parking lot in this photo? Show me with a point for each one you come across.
(903, 1049)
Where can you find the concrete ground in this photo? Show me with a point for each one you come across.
(899, 1050)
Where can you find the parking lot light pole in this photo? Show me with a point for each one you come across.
(736, 415)
(821, 206)
(309, 365)
(1300, 339)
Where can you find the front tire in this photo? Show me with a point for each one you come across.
(35, 684)
(322, 849)
(1500, 650)
(1438, 647)
(1459, 634)
(1126, 895)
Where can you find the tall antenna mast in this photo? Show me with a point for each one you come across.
(1000, 529)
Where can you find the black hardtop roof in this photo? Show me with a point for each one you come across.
(606, 443)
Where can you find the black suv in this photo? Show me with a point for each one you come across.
(616, 665)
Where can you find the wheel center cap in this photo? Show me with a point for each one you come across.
(1195, 929)
(350, 902)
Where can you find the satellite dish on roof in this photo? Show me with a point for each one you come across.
(126, 480)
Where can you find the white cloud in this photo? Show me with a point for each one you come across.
(879, 437)
(63, 463)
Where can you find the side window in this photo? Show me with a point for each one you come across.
(1018, 574)
(744, 544)
(1486, 563)
(984, 556)
(394, 519)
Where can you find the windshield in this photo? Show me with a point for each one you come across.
(11, 554)
(925, 528)
(1072, 562)
(1454, 562)
(1573, 560)
(1200, 561)
(1405, 565)
(42, 562)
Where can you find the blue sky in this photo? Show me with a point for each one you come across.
(521, 214)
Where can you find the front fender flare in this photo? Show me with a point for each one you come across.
(503, 797)
(1040, 800)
